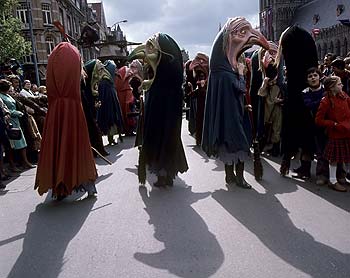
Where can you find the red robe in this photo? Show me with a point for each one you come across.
(66, 160)
(125, 97)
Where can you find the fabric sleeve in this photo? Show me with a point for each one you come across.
(321, 114)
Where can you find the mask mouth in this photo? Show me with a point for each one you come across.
(271, 71)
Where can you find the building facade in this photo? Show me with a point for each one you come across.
(328, 22)
(72, 14)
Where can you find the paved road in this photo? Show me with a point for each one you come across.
(199, 228)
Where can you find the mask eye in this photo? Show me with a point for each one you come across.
(243, 31)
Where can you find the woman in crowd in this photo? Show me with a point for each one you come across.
(20, 144)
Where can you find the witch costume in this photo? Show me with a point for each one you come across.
(224, 133)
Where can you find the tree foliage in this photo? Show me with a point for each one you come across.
(12, 43)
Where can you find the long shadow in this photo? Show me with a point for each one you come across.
(114, 151)
(50, 228)
(264, 216)
(199, 150)
(341, 200)
(190, 249)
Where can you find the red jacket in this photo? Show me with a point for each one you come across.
(336, 119)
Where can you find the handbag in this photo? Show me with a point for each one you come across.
(13, 133)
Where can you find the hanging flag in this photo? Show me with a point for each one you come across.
(345, 22)
(316, 31)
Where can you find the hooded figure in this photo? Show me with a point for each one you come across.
(299, 53)
(224, 133)
(109, 115)
(89, 97)
(126, 98)
(200, 66)
(66, 161)
(162, 148)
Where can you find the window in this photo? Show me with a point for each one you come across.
(50, 44)
(69, 25)
(46, 9)
(61, 16)
(22, 13)
(78, 3)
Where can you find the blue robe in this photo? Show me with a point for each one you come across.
(225, 127)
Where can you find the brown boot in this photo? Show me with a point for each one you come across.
(337, 187)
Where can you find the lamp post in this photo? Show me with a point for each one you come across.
(121, 21)
(30, 19)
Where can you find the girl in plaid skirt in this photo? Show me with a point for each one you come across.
(334, 114)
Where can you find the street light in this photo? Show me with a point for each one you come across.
(121, 21)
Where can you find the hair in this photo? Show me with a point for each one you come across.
(26, 81)
(338, 63)
(4, 85)
(331, 56)
(329, 83)
(312, 70)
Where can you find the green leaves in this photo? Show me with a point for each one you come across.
(13, 44)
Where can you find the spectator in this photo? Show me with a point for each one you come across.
(20, 144)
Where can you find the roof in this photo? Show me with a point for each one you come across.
(306, 15)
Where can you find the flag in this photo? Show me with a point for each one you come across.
(316, 31)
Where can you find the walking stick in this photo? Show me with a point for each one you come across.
(141, 170)
(258, 168)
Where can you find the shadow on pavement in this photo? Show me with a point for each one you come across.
(263, 215)
(49, 230)
(190, 249)
(341, 200)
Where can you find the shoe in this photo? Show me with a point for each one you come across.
(301, 175)
(161, 182)
(284, 169)
(60, 198)
(240, 181)
(29, 166)
(229, 175)
(2, 186)
(321, 181)
(337, 187)
(343, 181)
(15, 169)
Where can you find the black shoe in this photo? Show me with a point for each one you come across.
(240, 181)
(60, 198)
(161, 182)
(229, 175)
(302, 175)
(284, 169)
(2, 186)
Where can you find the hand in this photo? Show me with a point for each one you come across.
(266, 81)
(278, 100)
(248, 107)
(240, 68)
(98, 104)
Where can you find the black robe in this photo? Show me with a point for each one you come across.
(162, 146)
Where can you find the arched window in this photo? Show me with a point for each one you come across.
(50, 44)
(345, 49)
(331, 47)
(337, 48)
(319, 52)
(325, 50)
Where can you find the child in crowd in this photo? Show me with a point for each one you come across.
(334, 115)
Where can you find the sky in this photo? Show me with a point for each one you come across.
(193, 24)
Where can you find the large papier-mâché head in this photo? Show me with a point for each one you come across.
(200, 63)
(159, 49)
(235, 37)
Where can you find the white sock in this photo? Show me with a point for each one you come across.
(332, 173)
